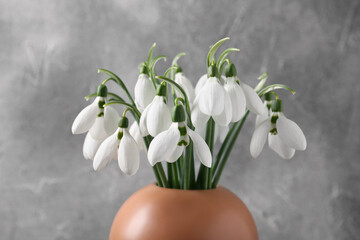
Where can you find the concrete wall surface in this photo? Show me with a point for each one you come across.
(49, 55)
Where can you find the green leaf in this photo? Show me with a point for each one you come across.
(262, 78)
(155, 60)
(169, 70)
(150, 53)
(176, 58)
(213, 50)
(274, 87)
(224, 55)
(90, 96)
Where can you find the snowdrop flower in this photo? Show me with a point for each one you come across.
(170, 144)
(185, 83)
(212, 101)
(200, 84)
(156, 116)
(135, 132)
(241, 95)
(121, 146)
(90, 146)
(284, 135)
(98, 120)
(235, 92)
(144, 90)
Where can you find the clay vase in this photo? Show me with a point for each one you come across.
(156, 213)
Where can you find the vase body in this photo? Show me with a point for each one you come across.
(155, 213)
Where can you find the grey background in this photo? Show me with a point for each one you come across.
(49, 54)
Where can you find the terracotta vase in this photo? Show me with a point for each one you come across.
(155, 213)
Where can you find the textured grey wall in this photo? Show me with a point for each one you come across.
(49, 53)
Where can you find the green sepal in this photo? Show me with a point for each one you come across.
(102, 90)
(212, 71)
(230, 70)
(178, 113)
(178, 69)
(268, 96)
(144, 70)
(161, 89)
(123, 122)
(277, 106)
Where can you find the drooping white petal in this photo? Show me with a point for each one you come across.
(163, 145)
(136, 134)
(198, 118)
(201, 149)
(259, 138)
(279, 147)
(259, 119)
(290, 133)
(176, 154)
(158, 117)
(86, 118)
(225, 117)
(143, 127)
(211, 97)
(185, 83)
(253, 101)
(97, 130)
(128, 154)
(90, 147)
(106, 152)
(200, 84)
(144, 92)
(111, 119)
(237, 97)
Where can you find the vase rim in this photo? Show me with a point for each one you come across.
(187, 190)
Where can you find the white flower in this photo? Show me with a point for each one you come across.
(90, 146)
(185, 83)
(135, 132)
(212, 100)
(284, 135)
(144, 92)
(121, 146)
(170, 145)
(201, 82)
(241, 95)
(237, 98)
(156, 117)
(98, 120)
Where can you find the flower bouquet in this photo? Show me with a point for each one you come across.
(179, 124)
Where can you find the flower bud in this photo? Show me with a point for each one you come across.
(144, 70)
(161, 90)
(212, 71)
(268, 96)
(123, 122)
(102, 90)
(178, 70)
(178, 113)
(230, 70)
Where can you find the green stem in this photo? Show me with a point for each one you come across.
(162, 175)
(187, 166)
(179, 164)
(175, 176)
(156, 172)
(170, 175)
(237, 130)
(119, 82)
(222, 149)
